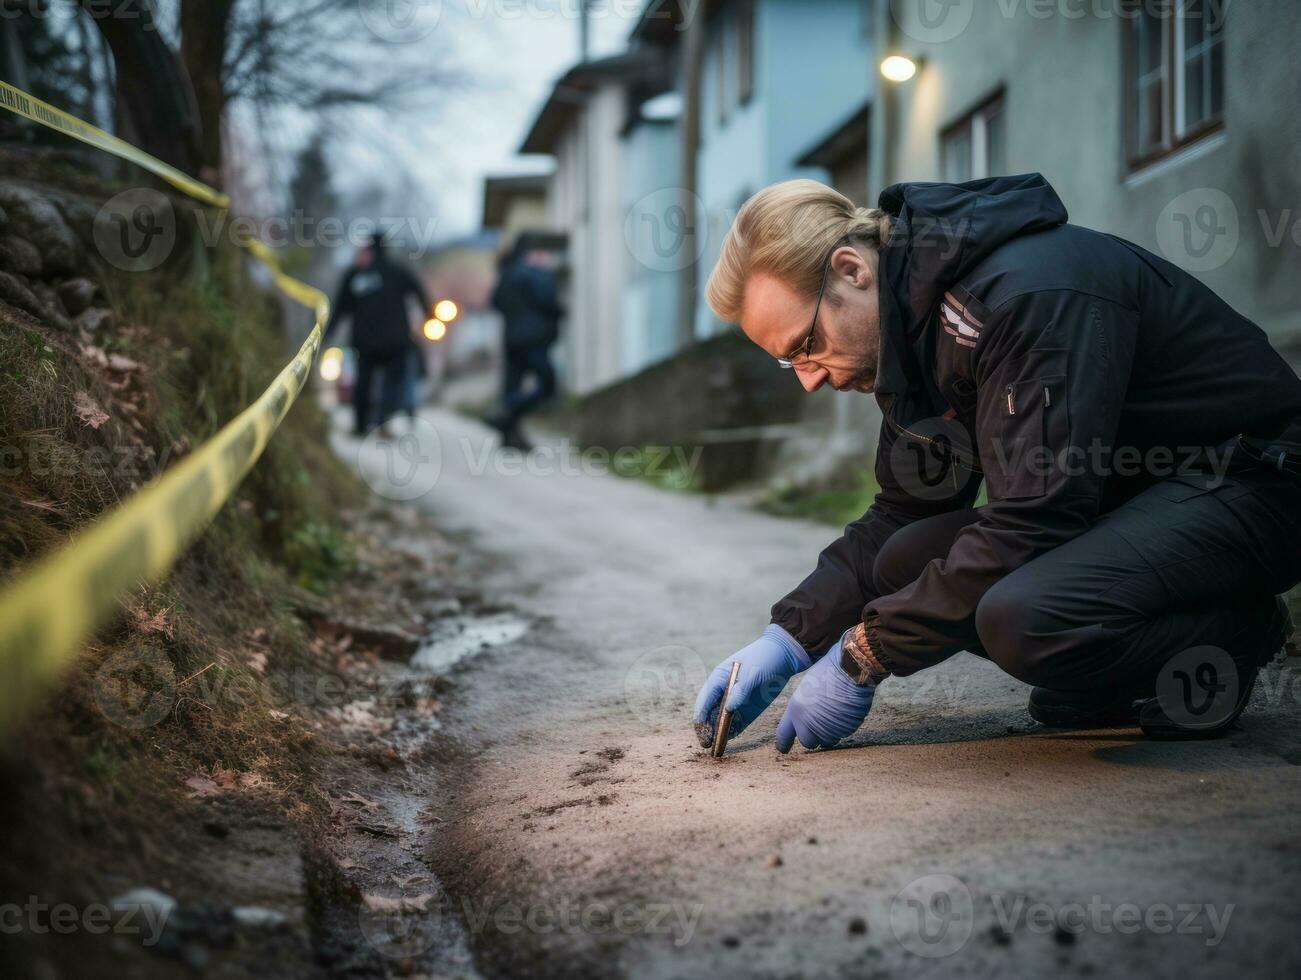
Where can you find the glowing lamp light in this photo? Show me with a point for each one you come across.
(332, 364)
(446, 310)
(435, 329)
(897, 68)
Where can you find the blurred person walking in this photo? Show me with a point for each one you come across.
(374, 295)
(526, 297)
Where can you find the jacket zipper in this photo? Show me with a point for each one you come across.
(973, 466)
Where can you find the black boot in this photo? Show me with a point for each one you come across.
(1201, 699)
(515, 439)
(1084, 709)
(499, 420)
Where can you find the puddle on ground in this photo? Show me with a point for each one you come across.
(455, 638)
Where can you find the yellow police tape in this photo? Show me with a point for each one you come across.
(24, 104)
(49, 611)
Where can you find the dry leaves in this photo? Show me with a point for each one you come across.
(225, 780)
(88, 411)
(362, 716)
(358, 800)
(203, 787)
(402, 903)
(158, 622)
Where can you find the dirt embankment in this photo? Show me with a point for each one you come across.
(223, 781)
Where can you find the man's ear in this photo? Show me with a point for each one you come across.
(850, 266)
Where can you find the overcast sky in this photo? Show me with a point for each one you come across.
(513, 52)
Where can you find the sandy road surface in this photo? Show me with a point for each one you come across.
(586, 833)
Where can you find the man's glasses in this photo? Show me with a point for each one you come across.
(805, 349)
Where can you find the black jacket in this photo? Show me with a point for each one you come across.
(376, 299)
(526, 297)
(1045, 359)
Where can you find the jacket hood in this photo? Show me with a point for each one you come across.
(941, 233)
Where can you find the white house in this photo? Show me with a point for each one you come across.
(588, 124)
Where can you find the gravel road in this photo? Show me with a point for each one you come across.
(587, 833)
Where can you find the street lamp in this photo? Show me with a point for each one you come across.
(897, 68)
(332, 364)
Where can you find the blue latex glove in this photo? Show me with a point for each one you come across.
(826, 707)
(766, 665)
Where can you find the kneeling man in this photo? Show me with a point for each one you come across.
(1138, 440)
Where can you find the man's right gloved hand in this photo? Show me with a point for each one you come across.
(766, 665)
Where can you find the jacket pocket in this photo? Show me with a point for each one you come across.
(1186, 486)
(1033, 433)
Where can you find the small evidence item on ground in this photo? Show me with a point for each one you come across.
(724, 724)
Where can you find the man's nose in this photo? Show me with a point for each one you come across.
(812, 377)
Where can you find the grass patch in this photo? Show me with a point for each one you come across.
(666, 467)
(96, 798)
(835, 507)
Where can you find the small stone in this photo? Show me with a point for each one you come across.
(51, 303)
(139, 899)
(1063, 936)
(19, 256)
(255, 917)
(731, 942)
(78, 295)
(813, 840)
(1000, 935)
(858, 926)
(775, 861)
(444, 607)
(80, 216)
(95, 319)
(33, 215)
(16, 293)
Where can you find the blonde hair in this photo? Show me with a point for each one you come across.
(788, 231)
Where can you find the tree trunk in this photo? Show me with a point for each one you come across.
(205, 34)
(155, 104)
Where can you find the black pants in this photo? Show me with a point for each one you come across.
(1178, 566)
(392, 369)
(521, 362)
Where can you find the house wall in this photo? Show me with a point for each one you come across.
(564, 212)
(1059, 66)
(586, 201)
(1064, 109)
(524, 213)
(813, 67)
(652, 168)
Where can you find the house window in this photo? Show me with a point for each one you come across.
(974, 146)
(734, 55)
(1174, 86)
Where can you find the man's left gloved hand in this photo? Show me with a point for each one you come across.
(826, 707)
